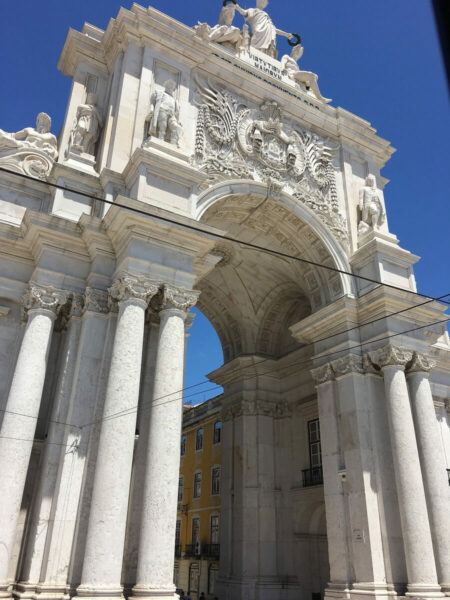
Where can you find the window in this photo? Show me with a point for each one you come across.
(180, 488)
(195, 531)
(178, 533)
(197, 484)
(215, 481)
(213, 573)
(199, 439)
(183, 445)
(217, 432)
(315, 451)
(214, 530)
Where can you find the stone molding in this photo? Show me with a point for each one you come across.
(178, 298)
(323, 374)
(253, 408)
(96, 301)
(43, 297)
(391, 356)
(421, 363)
(129, 287)
(351, 363)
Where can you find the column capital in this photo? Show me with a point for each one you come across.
(95, 301)
(369, 367)
(73, 308)
(178, 298)
(421, 363)
(391, 356)
(323, 374)
(351, 363)
(130, 287)
(43, 297)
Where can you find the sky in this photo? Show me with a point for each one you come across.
(379, 59)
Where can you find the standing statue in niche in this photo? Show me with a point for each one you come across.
(306, 79)
(223, 33)
(264, 32)
(371, 207)
(31, 150)
(88, 123)
(163, 117)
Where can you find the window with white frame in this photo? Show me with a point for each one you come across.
(178, 533)
(180, 488)
(195, 530)
(214, 531)
(199, 439)
(215, 481)
(197, 484)
(315, 451)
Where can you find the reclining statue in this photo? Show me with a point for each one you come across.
(305, 79)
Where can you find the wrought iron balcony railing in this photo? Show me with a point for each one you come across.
(211, 551)
(191, 550)
(312, 477)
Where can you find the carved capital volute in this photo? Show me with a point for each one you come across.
(130, 288)
(178, 298)
(323, 374)
(351, 363)
(421, 363)
(369, 367)
(96, 301)
(40, 297)
(391, 356)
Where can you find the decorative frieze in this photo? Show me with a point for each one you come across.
(253, 408)
(391, 356)
(96, 301)
(351, 363)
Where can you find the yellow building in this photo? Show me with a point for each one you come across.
(198, 521)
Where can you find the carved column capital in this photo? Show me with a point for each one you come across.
(129, 287)
(96, 301)
(44, 297)
(73, 308)
(351, 363)
(421, 363)
(323, 374)
(391, 356)
(178, 298)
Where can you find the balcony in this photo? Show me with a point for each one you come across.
(211, 551)
(191, 551)
(312, 477)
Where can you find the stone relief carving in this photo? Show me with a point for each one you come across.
(87, 126)
(178, 298)
(421, 363)
(306, 80)
(96, 301)
(31, 151)
(371, 207)
(351, 363)
(391, 356)
(234, 141)
(163, 117)
(43, 297)
(323, 374)
(224, 33)
(130, 287)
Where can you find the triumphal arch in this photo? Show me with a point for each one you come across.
(177, 142)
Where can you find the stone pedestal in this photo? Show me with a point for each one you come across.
(21, 414)
(159, 508)
(433, 462)
(101, 576)
(420, 562)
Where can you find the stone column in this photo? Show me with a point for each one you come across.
(41, 305)
(103, 556)
(43, 499)
(157, 542)
(420, 564)
(338, 547)
(433, 462)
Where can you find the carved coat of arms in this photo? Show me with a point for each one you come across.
(234, 141)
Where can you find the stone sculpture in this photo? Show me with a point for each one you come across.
(31, 151)
(305, 79)
(88, 123)
(371, 207)
(223, 33)
(164, 114)
(264, 32)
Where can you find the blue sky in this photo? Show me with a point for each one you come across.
(377, 58)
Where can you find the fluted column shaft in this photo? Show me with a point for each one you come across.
(42, 504)
(420, 564)
(103, 558)
(157, 541)
(21, 414)
(432, 457)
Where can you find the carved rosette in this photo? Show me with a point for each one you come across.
(96, 301)
(178, 298)
(351, 363)
(129, 288)
(391, 356)
(323, 374)
(44, 298)
(421, 363)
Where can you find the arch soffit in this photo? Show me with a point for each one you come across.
(343, 284)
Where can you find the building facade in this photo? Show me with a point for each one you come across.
(195, 168)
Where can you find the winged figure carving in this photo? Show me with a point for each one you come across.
(220, 113)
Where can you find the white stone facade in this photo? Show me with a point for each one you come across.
(93, 303)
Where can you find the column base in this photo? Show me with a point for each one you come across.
(378, 591)
(93, 593)
(424, 591)
(24, 590)
(153, 593)
(52, 592)
(336, 591)
(5, 589)
(445, 587)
